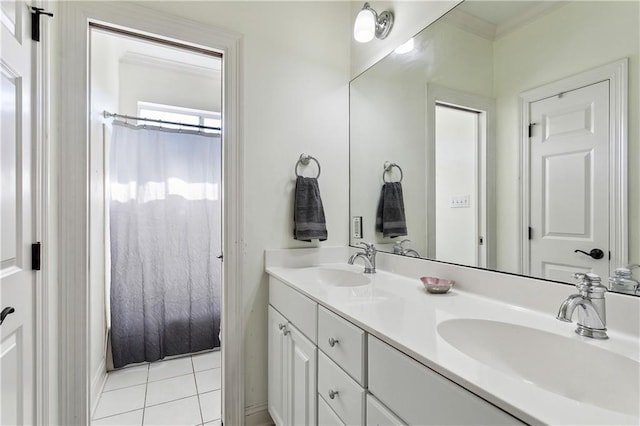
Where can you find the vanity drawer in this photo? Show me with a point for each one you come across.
(296, 307)
(349, 343)
(379, 415)
(349, 402)
(421, 396)
(326, 416)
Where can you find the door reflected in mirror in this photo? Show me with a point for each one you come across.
(511, 123)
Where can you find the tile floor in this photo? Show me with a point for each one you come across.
(180, 391)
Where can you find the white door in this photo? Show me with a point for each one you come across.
(459, 202)
(569, 198)
(16, 229)
(276, 366)
(301, 378)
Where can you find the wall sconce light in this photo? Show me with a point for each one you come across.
(369, 23)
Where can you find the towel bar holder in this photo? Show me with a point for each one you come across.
(387, 169)
(304, 160)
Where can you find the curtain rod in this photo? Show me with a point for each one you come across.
(175, 123)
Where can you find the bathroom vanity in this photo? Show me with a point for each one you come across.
(349, 348)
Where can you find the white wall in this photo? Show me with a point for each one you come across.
(183, 86)
(295, 99)
(518, 60)
(380, 132)
(388, 122)
(104, 96)
(410, 17)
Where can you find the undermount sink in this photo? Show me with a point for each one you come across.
(334, 276)
(562, 365)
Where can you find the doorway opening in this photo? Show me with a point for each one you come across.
(460, 177)
(155, 223)
(458, 192)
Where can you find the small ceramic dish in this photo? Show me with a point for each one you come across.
(437, 285)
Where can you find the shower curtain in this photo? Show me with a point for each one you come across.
(165, 231)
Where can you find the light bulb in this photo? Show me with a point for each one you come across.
(365, 26)
(406, 47)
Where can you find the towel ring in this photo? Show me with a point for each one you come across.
(304, 160)
(387, 169)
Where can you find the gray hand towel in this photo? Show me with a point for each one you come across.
(390, 218)
(308, 213)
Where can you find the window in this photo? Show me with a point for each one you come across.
(179, 115)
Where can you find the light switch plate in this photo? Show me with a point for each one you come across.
(460, 201)
(357, 226)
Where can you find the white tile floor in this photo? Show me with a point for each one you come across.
(180, 391)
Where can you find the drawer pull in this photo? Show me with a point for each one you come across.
(333, 342)
(332, 393)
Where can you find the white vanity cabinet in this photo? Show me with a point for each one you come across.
(420, 396)
(325, 370)
(293, 357)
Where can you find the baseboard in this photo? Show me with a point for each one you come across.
(97, 384)
(257, 415)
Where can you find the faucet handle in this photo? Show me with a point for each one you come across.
(397, 246)
(589, 283)
(368, 248)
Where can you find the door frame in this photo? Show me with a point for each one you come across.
(73, 220)
(485, 155)
(617, 75)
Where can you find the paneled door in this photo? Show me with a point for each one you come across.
(569, 210)
(16, 220)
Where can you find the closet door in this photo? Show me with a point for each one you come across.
(17, 219)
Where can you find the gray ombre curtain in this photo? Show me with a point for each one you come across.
(165, 226)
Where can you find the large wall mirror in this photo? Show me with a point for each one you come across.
(512, 127)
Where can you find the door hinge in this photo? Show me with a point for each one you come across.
(530, 129)
(35, 256)
(530, 233)
(609, 255)
(35, 21)
(481, 240)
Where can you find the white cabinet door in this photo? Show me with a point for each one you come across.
(301, 359)
(292, 370)
(17, 280)
(421, 396)
(276, 366)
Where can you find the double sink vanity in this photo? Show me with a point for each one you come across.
(350, 348)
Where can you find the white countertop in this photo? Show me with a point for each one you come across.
(398, 311)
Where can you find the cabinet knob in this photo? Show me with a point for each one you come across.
(332, 393)
(282, 326)
(332, 341)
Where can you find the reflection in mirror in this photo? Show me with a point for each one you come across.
(510, 122)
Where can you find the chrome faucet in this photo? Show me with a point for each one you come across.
(592, 321)
(398, 248)
(368, 256)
